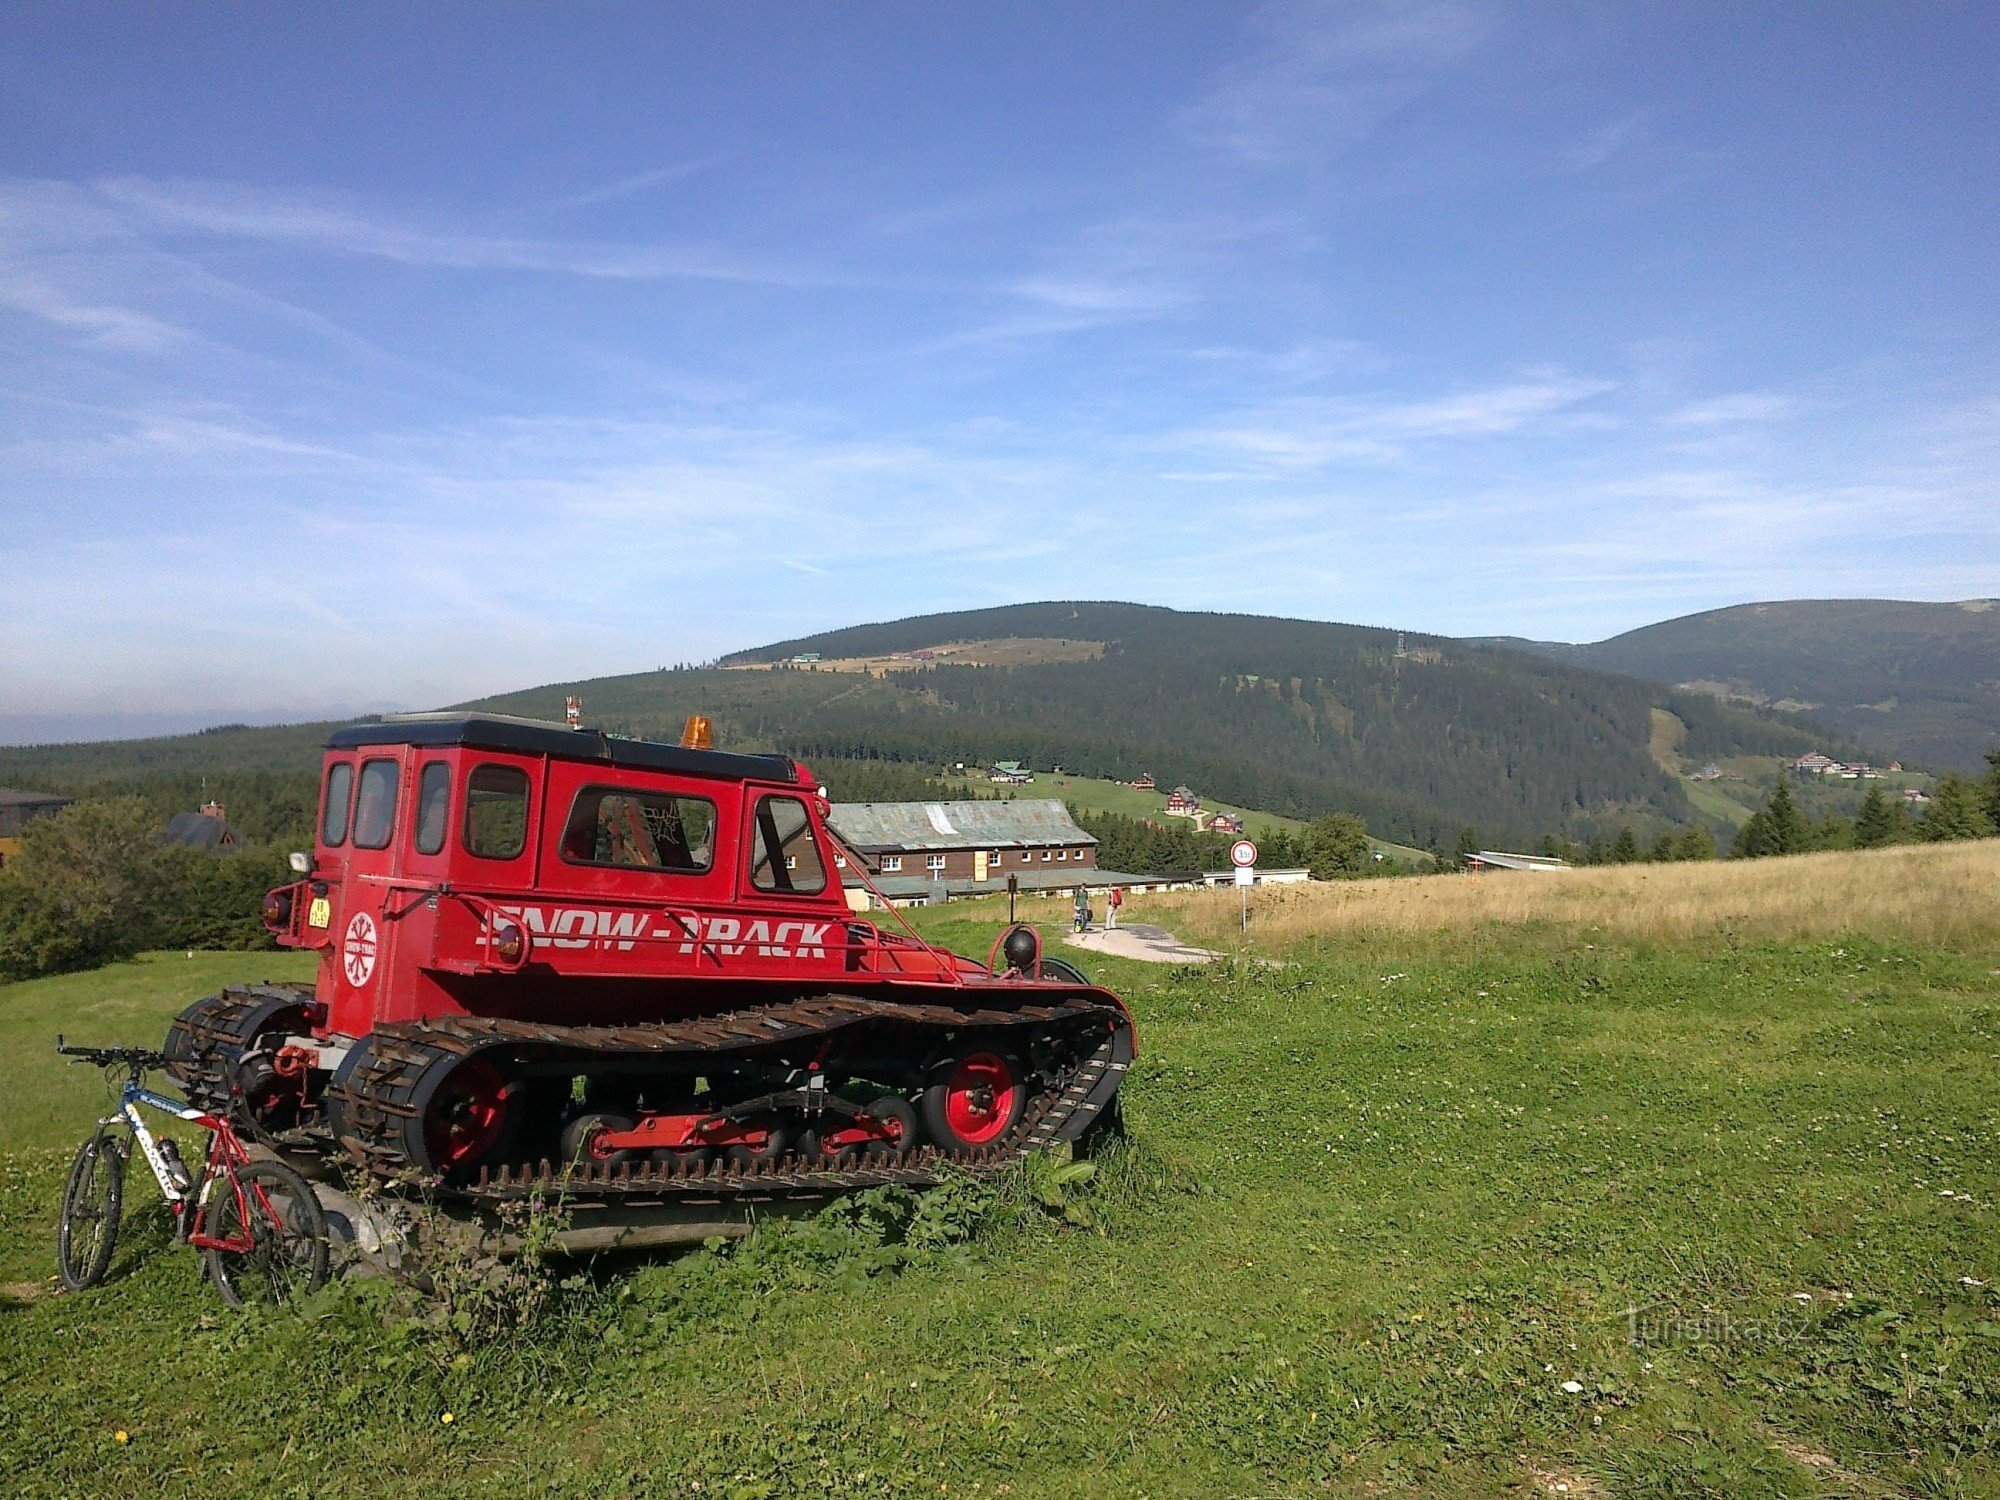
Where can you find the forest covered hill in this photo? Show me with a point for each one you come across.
(1901, 678)
(1421, 735)
(1290, 716)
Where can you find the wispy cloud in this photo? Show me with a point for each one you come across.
(337, 224)
(107, 326)
(1323, 76)
(1745, 406)
(1305, 434)
(638, 182)
(1608, 141)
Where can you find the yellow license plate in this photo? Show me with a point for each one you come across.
(320, 913)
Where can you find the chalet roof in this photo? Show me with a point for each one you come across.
(1500, 859)
(200, 831)
(11, 798)
(1024, 822)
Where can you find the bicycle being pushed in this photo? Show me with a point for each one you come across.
(257, 1222)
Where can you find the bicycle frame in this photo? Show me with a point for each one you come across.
(225, 1154)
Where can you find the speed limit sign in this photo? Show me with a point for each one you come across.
(1243, 854)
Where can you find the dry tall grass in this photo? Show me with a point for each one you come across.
(1946, 895)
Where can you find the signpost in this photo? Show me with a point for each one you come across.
(1243, 855)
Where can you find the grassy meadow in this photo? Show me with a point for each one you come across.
(1482, 1188)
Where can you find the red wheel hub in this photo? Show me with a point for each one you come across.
(979, 1098)
(467, 1115)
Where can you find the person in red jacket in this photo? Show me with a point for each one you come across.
(1111, 904)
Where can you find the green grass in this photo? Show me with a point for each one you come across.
(46, 1100)
(1378, 1206)
(1093, 794)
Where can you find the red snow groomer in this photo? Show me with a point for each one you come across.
(545, 949)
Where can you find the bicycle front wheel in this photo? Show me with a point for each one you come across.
(93, 1199)
(272, 1211)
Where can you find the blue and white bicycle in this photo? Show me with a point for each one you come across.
(257, 1222)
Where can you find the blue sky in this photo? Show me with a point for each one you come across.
(358, 357)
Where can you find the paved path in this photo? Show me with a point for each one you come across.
(1154, 945)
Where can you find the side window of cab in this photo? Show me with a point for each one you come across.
(784, 856)
(334, 805)
(495, 821)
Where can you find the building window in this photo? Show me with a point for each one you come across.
(935, 862)
(1046, 856)
(1062, 854)
(840, 861)
(891, 862)
(640, 830)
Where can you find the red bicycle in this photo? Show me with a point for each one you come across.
(257, 1222)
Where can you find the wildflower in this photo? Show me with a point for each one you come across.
(1574, 1387)
(121, 1436)
(446, 1419)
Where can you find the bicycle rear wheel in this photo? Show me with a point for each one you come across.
(277, 1213)
(92, 1202)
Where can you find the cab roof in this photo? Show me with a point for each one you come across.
(540, 737)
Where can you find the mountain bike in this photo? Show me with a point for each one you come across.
(256, 1222)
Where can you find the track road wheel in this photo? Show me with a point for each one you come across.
(277, 1215)
(745, 1155)
(683, 1159)
(93, 1198)
(814, 1150)
(973, 1100)
(898, 1121)
(469, 1118)
(580, 1137)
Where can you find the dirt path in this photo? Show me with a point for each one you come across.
(1154, 945)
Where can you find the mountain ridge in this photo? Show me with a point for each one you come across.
(1421, 735)
(1909, 678)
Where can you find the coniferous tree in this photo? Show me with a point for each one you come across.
(1696, 843)
(1779, 829)
(1876, 824)
(1626, 850)
(1663, 850)
(1957, 811)
(1992, 786)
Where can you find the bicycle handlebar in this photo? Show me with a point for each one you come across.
(138, 1058)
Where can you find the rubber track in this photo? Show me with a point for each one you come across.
(207, 1039)
(376, 1097)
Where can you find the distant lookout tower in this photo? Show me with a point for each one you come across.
(573, 711)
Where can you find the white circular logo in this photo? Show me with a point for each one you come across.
(357, 953)
(1243, 854)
